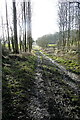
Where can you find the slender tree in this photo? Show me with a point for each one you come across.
(12, 40)
(79, 32)
(22, 16)
(3, 32)
(29, 35)
(16, 50)
(7, 27)
(24, 6)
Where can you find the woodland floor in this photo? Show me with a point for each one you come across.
(34, 88)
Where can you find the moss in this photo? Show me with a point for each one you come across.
(70, 65)
(6, 70)
(17, 79)
(75, 99)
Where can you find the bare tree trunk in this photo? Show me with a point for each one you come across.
(12, 40)
(68, 29)
(3, 33)
(22, 9)
(16, 50)
(79, 33)
(29, 36)
(25, 25)
(7, 28)
(63, 38)
(20, 43)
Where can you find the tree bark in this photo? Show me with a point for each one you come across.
(7, 28)
(16, 50)
(25, 25)
(29, 36)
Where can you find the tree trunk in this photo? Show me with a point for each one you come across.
(29, 36)
(16, 50)
(25, 25)
(7, 28)
(3, 33)
(20, 43)
(79, 33)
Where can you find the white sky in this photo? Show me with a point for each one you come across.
(44, 17)
(44, 20)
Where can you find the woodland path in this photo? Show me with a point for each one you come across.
(55, 96)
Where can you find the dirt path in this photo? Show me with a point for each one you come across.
(71, 79)
(53, 96)
(37, 109)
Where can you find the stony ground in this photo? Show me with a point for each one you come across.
(50, 95)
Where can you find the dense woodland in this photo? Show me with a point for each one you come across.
(40, 79)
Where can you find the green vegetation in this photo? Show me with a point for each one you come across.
(66, 54)
(18, 77)
(45, 40)
(69, 60)
(50, 93)
(52, 45)
(69, 96)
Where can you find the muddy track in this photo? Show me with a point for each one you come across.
(70, 79)
(53, 98)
